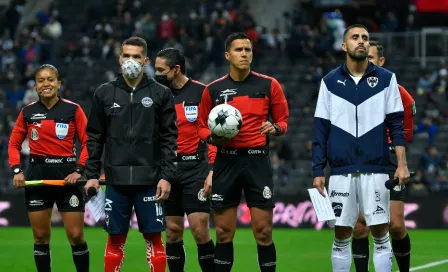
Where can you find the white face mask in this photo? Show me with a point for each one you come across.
(131, 68)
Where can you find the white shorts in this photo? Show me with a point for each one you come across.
(356, 192)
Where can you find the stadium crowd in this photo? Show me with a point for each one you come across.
(199, 34)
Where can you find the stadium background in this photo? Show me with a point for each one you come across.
(295, 41)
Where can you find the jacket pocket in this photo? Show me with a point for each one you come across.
(258, 104)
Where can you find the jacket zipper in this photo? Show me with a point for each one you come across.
(130, 135)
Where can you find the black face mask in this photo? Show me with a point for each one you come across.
(163, 78)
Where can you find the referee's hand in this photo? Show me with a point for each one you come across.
(163, 190)
(208, 184)
(319, 184)
(72, 178)
(19, 180)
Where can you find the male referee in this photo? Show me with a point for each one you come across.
(194, 174)
(135, 118)
(401, 244)
(243, 163)
(358, 102)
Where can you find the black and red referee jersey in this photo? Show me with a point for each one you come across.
(409, 112)
(256, 97)
(188, 104)
(51, 132)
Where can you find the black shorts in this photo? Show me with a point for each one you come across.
(118, 209)
(237, 170)
(68, 198)
(399, 191)
(187, 193)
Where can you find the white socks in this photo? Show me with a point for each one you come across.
(341, 255)
(382, 254)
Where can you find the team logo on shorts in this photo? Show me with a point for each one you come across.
(34, 134)
(398, 188)
(267, 192)
(147, 102)
(379, 210)
(377, 196)
(372, 81)
(201, 195)
(74, 201)
(61, 130)
(191, 113)
(337, 208)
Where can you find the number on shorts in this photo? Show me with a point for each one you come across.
(159, 210)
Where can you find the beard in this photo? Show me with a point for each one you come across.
(357, 56)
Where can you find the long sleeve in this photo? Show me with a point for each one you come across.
(204, 111)
(168, 136)
(96, 135)
(279, 107)
(394, 113)
(409, 112)
(211, 154)
(18, 135)
(321, 131)
(81, 124)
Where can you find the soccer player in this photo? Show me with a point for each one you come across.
(243, 163)
(357, 103)
(134, 117)
(401, 244)
(51, 124)
(194, 174)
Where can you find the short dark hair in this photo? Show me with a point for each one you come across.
(235, 36)
(136, 41)
(353, 26)
(47, 66)
(379, 48)
(173, 57)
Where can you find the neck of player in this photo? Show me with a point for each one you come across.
(50, 101)
(238, 74)
(179, 82)
(134, 82)
(357, 67)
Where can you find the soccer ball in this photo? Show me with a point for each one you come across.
(225, 121)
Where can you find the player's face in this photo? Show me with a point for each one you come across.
(373, 56)
(240, 54)
(356, 44)
(133, 52)
(47, 83)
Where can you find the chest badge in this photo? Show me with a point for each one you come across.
(191, 113)
(372, 81)
(147, 102)
(61, 130)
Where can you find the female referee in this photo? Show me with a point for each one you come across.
(51, 125)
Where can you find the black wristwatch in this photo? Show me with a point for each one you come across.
(278, 130)
(17, 170)
(79, 169)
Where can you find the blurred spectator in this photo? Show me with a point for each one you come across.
(425, 83)
(431, 165)
(30, 94)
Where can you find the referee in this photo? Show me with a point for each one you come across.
(242, 163)
(194, 175)
(51, 125)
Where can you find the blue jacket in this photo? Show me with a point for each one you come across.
(351, 121)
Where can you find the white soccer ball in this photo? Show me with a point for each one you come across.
(225, 120)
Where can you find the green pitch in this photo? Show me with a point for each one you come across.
(297, 250)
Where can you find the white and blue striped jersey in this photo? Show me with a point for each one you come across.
(351, 121)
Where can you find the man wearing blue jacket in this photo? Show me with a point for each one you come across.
(358, 102)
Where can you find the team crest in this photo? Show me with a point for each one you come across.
(267, 192)
(74, 201)
(201, 195)
(61, 130)
(191, 113)
(147, 102)
(34, 134)
(372, 81)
